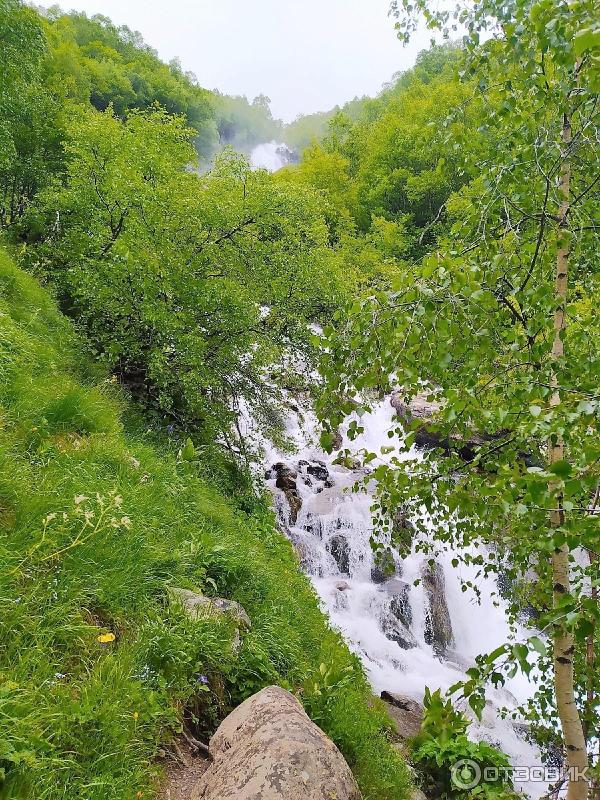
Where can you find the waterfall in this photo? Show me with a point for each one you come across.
(271, 156)
(408, 637)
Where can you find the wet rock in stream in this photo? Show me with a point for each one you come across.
(318, 470)
(384, 566)
(406, 712)
(339, 548)
(285, 479)
(438, 626)
(396, 617)
(399, 600)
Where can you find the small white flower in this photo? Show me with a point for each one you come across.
(80, 498)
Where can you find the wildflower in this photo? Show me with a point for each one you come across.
(126, 522)
(105, 638)
(135, 715)
(202, 679)
(49, 518)
(118, 500)
(80, 498)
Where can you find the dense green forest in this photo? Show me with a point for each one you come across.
(441, 237)
(79, 60)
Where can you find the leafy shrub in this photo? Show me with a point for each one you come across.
(442, 746)
(192, 285)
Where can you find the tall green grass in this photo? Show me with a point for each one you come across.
(97, 520)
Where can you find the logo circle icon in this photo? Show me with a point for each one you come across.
(465, 774)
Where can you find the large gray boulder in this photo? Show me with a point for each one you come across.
(268, 749)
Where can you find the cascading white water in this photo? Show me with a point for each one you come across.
(385, 619)
(270, 156)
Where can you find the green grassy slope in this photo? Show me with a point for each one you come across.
(96, 521)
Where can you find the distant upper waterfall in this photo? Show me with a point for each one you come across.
(271, 155)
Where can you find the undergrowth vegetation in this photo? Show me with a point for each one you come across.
(98, 518)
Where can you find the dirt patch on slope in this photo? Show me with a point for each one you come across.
(183, 769)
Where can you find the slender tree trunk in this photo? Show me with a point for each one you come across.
(563, 641)
(590, 703)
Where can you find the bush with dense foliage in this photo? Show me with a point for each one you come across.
(449, 763)
(189, 286)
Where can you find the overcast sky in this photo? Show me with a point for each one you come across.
(306, 55)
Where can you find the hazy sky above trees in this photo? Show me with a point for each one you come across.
(306, 55)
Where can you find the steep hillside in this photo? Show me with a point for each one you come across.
(97, 520)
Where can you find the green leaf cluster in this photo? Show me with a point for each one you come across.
(442, 745)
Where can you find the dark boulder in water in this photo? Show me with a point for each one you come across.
(285, 479)
(396, 618)
(285, 476)
(400, 601)
(396, 631)
(339, 548)
(384, 566)
(438, 626)
(318, 470)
